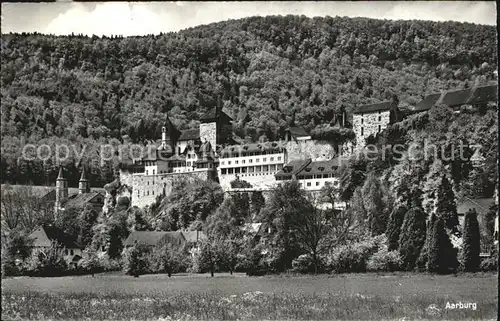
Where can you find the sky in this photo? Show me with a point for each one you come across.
(140, 18)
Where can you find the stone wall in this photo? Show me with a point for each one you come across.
(370, 123)
(208, 132)
(146, 188)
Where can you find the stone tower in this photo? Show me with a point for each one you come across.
(83, 184)
(61, 190)
(215, 126)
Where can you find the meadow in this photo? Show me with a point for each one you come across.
(238, 297)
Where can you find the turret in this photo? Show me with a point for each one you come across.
(83, 184)
(61, 189)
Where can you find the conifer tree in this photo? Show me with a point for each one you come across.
(471, 245)
(424, 254)
(412, 235)
(373, 200)
(394, 226)
(442, 257)
(446, 207)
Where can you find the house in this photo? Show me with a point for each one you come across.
(296, 134)
(481, 205)
(156, 239)
(47, 235)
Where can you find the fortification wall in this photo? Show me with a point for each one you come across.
(146, 188)
(314, 149)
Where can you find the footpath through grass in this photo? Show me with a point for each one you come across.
(326, 297)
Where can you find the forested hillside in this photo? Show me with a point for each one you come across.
(270, 72)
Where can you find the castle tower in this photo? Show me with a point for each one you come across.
(83, 184)
(61, 189)
(215, 127)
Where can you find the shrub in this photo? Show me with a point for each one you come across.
(471, 245)
(353, 257)
(421, 264)
(303, 264)
(489, 264)
(384, 260)
(49, 262)
(168, 259)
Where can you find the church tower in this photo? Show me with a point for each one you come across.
(61, 189)
(83, 184)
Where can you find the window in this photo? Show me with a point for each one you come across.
(379, 118)
(279, 158)
(257, 160)
(317, 183)
(272, 159)
(66, 252)
(243, 161)
(146, 172)
(280, 167)
(251, 169)
(222, 163)
(273, 168)
(265, 168)
(230, 171)
(153, 192)
(264, 159)
(379, 128)
(148, 193)
(229, 162)
(71, 252)
(237, 170)
(154, 170)
(103, 248)
(250, 161)
(178, 150)
(223, 171)
(236, 162)
(243, 169)
(308, 183)
(362, 131)
(361, 121)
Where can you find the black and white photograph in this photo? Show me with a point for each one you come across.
(273, 160)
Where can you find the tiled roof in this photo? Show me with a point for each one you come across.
(386, 105)
(45, 235)
(154, 238)
(177, 157)
(482, 205)
(322, 167)
(190, 134)
(215, 113)
(484, 94)
(456, 98)
(41, 191)
(79, 200)
(194, 236)
(427, 103)
(298, 132)
(293, 167)
(252, 147)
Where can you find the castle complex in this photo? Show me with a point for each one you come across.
(210, 153)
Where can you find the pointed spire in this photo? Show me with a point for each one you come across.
(61, 173)
(84, 175)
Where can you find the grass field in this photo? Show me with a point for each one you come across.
(237, 297)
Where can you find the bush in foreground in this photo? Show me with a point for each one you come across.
(384, 260)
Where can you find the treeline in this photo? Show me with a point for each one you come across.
(271, 72)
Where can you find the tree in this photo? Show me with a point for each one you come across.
(257, 202)
(90, 260)
(471, 242)
(231, 247)
(424, 253)
(446, 206)
(169, 259)
(136, 260)
(373, 199)
(393, 230)
(442, 256)
(412, 235)
(210, 255)
(86, 220)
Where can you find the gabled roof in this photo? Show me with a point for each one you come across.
(80, 200)
(456, 98)
(215, 113)
(297, 132)
(61, 173)
(484, 94)
(45, 235)
(482, 205)
(190, 134)
(194, 236)
(427, 103)
(251, 228)
(43, 191)
(154, 238)
(382, 106)
(322, 167)
(292, 168)
(177, 157)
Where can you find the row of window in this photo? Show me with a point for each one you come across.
(250, 161)
(252, 169)
(70, 252)
(177, 165)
